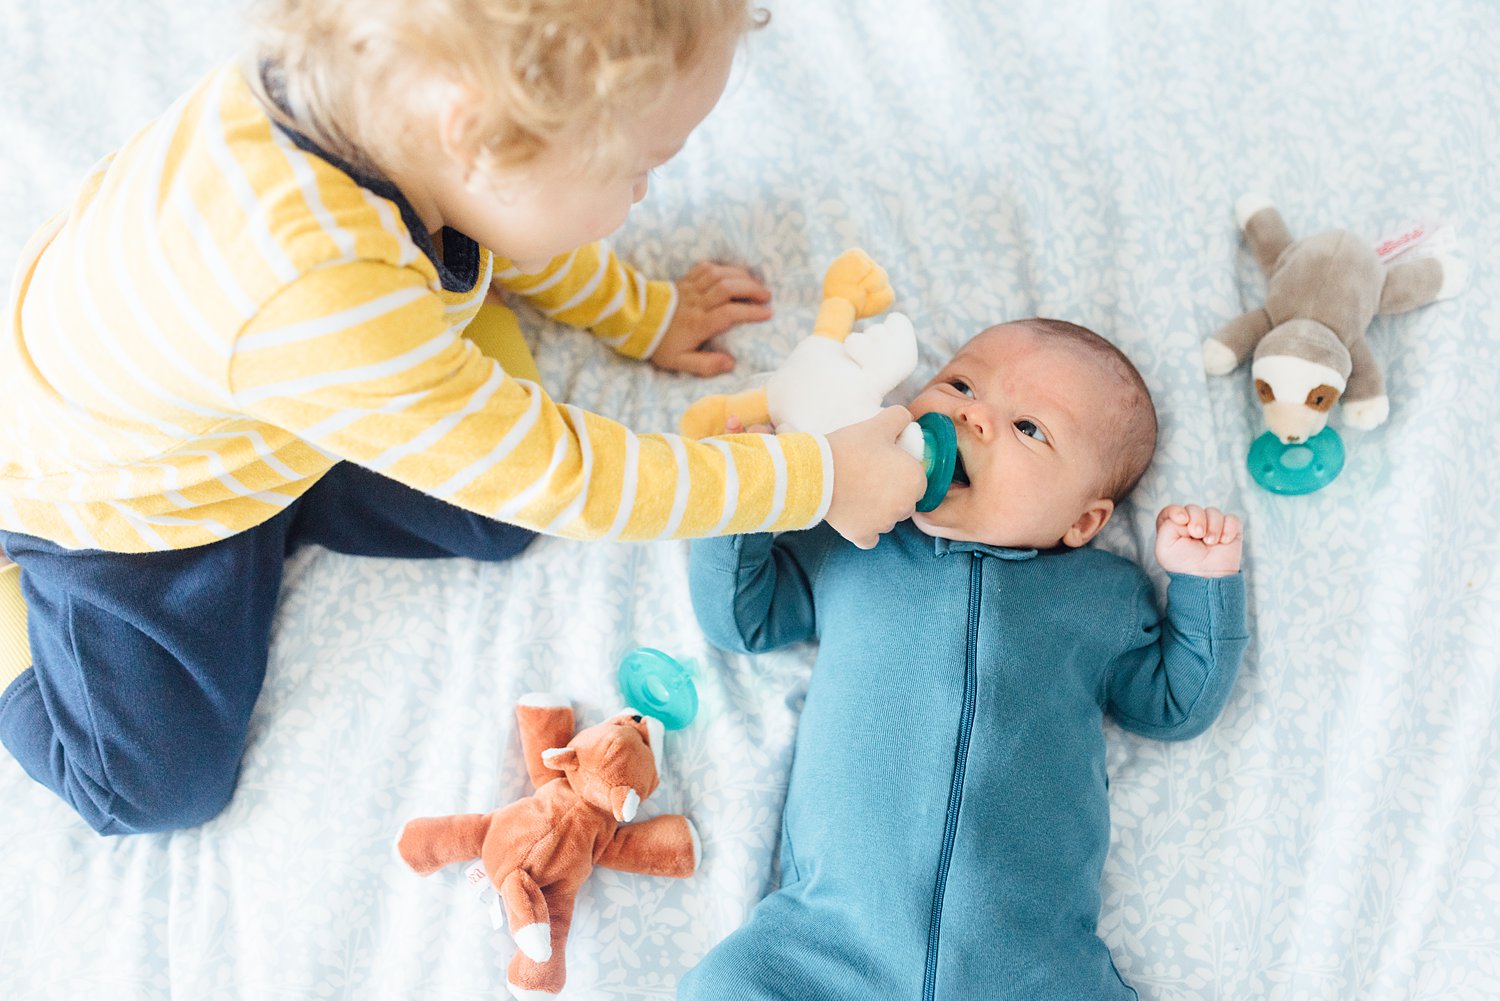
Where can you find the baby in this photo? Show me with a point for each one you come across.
(947, 818)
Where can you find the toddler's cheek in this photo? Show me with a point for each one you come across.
(611, 218)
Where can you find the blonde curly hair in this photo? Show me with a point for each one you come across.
(352, 75)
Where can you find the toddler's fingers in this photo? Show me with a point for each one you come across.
(707, 274)
(874, 539)
(739, 285)
(1174, 513)
(722, 290)
(893, 420)
(697, 278)
(1233, 528)
(733, 312)
(701, 363)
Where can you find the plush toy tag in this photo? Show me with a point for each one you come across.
(1432, 239)
(479, 881)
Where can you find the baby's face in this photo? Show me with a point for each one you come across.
(1029, 436)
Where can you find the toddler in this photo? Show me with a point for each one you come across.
(246, 333)
(947, 819)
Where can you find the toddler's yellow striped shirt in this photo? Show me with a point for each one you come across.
(221, 315)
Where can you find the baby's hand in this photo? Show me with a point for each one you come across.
(875, 483)
(1204, 542)
(711, 298)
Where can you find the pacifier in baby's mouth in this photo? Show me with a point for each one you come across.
(935, 443)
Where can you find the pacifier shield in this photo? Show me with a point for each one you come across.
(657, 685)
(939, 456)
(1298, 468)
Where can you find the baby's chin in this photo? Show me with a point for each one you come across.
(928, 526)
(937, 530)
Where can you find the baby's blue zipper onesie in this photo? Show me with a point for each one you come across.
(947, 817)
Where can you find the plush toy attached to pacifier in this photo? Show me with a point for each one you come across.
(535, 853)
(840, 376)
(1309, 342)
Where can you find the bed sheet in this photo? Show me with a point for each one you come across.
(1335, 835)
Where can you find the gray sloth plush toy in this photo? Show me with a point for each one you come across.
(1308, 340)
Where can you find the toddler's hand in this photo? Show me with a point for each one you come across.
(733, 425)
(711, 298)
(1204, 542)
(875, 483)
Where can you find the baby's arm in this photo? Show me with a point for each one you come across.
(1176, 672)
(753, 593)
(665, 322)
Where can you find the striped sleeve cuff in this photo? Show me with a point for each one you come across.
(660, 297)
(826, 454)
(657, 312)
(809, 482)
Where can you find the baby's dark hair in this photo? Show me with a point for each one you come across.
(1130, 435)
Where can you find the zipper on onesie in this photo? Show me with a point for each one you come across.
(960, 762)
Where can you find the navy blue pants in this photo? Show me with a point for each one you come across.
(145, 666)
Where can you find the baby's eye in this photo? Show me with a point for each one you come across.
(1030, 429)
(962, 386)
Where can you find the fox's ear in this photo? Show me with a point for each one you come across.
(657, 733)
(560, 758)
(624, 801)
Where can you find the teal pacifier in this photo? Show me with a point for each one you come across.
(657, 685)
(939, 458)
(1299, 468)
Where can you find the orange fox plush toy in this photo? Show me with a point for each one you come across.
(538, 851)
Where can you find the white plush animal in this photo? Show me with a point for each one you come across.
(837, 376)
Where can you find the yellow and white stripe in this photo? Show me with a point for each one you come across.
(590, 288)
(221, 315)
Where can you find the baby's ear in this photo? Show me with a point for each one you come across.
(1094, 518)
